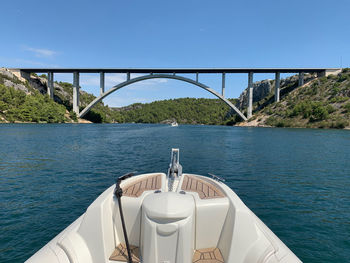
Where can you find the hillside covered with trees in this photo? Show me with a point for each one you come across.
(320, 103)
(183, 110)
(27, 101)
(22, 103)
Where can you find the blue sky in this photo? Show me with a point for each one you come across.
(190, 33)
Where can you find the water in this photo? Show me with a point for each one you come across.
(296, 180)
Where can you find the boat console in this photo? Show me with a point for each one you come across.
(167, 227)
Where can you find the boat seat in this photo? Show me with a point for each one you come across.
(205, 189)
(212, 205)
(208, 255)
(121, 254)
(135, 189)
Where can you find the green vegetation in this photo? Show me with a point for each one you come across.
(315, 111)
(347, 107)
(184, 110)
(32, 106)
(98, 114)
(323, 103)
(15, 105)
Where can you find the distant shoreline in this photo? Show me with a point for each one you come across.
(237, 125)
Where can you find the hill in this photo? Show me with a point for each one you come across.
(183, 110)
(320, 103)
(24, 100)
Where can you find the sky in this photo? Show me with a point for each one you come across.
(166, 34)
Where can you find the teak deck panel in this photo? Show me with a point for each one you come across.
(121, 254)
(205, 190)
(208, 255)
(135, 189)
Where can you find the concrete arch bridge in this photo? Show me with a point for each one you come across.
(155, 76)
(171, 73)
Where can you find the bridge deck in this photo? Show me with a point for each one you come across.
(174, 70)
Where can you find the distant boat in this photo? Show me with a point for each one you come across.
(167, 218)
(174, 124)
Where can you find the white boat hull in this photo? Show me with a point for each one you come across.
(200, 217)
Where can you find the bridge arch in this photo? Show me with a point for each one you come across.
(156, 76)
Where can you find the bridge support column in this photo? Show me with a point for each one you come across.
(277, 87)
(197, 77)
(321, 74)
(76, 92)
(301, 79)
(102, 83)
(223, 85)
(250, 95)
(23, 74)
(50, 85)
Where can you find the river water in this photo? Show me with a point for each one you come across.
(296, 180)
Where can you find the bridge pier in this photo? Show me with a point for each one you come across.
(50, 84)
(22, 74)
(102, 83)
(155, 76)
(301, 79)
(223, 85)
(250, 95)
(76, 92)
(277, 86)
(321, 74)
(170, 73)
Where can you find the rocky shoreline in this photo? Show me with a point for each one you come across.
(322, 102)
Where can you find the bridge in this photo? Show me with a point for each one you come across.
(170, 73)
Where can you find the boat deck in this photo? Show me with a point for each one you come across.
(205, 189)
(121, 254)
(206, 255)
(136, 189)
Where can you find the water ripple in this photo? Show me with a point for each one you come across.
(295, 180)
